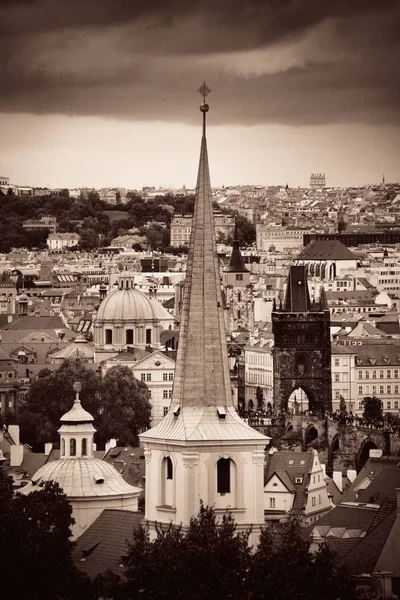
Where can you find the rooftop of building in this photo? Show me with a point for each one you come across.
(326, 250)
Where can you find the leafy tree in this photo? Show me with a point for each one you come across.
(283, 568)
(125, 405)
(36, 429)
(342, 410)
(52, 395)
(224, 556)
(34, 533)
(89, 239)
(246, 231)
(372, 409)
(208, 563)
(259, 397)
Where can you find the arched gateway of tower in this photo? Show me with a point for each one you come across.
(202, 449)
(302, 346)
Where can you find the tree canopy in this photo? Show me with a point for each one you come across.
(213, 561)
(119, 403)
(35, 549)
(89, 216)
(125, 406)
(372, 409)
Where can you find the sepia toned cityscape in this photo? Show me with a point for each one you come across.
(199, 381)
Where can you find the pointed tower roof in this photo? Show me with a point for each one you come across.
(297, 298)
(236, 264)
(202, 372)
(323, 302)
(202, 387)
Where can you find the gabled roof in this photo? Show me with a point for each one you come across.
(129, 462)
(287, 466)
(150, 358)
(364, 556)
(36, 323)
(326, 250)
(103, 544)
(370, 470)
(383, 486)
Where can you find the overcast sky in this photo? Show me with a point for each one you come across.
(103, 92)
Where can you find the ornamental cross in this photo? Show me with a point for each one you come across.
(204, 90)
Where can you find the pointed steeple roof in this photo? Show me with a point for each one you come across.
(202, 409)
(297, 298)
(202, 372)
(236, 264)
(323, 302)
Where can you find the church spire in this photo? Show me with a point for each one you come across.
(202, 372)
(236, 263)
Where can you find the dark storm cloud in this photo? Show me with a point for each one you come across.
(279, 61)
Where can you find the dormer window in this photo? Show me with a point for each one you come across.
(221, 412)
(298, 480)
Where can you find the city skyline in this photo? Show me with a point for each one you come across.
(102, 94)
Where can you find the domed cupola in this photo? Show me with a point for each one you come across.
(127, 317)
(90, 484)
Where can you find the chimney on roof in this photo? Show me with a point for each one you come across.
(351, 474)
(337, 479)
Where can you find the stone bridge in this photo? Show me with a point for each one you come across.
(340, 446)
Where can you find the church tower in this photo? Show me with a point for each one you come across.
(202, 449)
(302, 346)
(238, 291)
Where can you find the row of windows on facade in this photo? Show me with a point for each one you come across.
(366, 374)
(385, 405)
(108, 336)
(259, 378)
(256, 358)
(387, 390)
(166, 376)
(355, 309)
(344, 362)
(223, 473)
(272, 501)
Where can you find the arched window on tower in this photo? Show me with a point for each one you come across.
(72, 447)
(62, 447)
(109, 336)
(148, 336)
(224, 476)
(129, 336)
(84, 447)
(169, 469)
(167, 482)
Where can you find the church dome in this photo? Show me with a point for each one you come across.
(126, 305)
(84, 477)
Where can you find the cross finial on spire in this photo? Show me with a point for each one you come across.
(204, 90)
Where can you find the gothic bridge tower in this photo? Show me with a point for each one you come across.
(302, 350)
